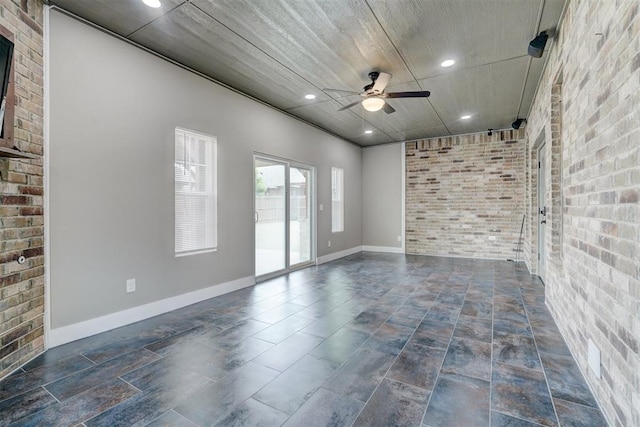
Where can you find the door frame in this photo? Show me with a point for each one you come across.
(542, 210)
(289, 163)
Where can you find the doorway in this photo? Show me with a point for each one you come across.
(542, 211)
(283, 215)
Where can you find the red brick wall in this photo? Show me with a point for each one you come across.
(21, 195)
(588, 109)
(465, 195)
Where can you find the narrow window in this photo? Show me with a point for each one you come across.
(337, 200)
(196, 203)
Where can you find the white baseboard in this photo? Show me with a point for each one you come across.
(337, 255)
(90, 327)
(387, 249)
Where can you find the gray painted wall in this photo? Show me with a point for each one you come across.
(382, 195)
(113, 110)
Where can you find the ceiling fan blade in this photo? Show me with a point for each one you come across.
(346, 107)
(349, 92)
(381, 82)
(388, 108)
(416, 94)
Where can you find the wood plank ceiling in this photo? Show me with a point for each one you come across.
(277, 51)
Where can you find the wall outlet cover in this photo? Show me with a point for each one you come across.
(131, 285)
(593, 358)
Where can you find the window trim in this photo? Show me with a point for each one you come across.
(338, 174)
(7, 126)
(210, 195)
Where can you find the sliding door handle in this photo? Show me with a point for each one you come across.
(257, 217)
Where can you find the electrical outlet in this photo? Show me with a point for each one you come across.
(131, 285)
(321, 207)
(329, 244)
(399, 238)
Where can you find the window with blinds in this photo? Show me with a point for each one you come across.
(337, 200)
(196, 202)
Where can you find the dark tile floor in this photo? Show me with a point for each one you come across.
(368, 340)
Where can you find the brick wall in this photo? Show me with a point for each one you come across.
(587, 109)
(21, 195)
(465, 195)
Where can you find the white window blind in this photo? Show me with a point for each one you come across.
(196, 202)
(337, 200)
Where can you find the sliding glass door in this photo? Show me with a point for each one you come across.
(283, 199)
(300, 214)
(270, 216)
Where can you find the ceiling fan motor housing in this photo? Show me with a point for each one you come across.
(368, 89)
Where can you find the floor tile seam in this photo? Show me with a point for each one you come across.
(43, 384)
(96, 364)
(254, 397)
(446, 350)
(544, 370)
(101, 412)
(430, 390)
(205, 344)
(597, 408)
(493, 295)
(296, 361)
(279, 320)
(195, 339)
(327, 313)
(469, 376)
(39, 410)
(532, 370)
(160, 357)
(178, 414)
(126, 382)
(346, 359)
(391, 365)
(98, 385)
(181, 399)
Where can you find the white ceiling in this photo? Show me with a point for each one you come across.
(279, 50)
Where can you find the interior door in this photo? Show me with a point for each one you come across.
(284, 215)
(542, 211)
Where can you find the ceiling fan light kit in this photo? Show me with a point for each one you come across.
(373, 104)
(374, 94)
(152, 3)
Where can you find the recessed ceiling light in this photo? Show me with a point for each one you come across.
(310, 96)
(152, 3)
(447, 63)
(466, 117)
(368, 131)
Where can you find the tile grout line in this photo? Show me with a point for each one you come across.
(446, 350)
(493, 306)
(394, 359)
(307, 353)
(544, 370)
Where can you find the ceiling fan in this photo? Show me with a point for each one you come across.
(374, 94)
